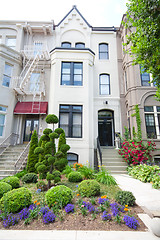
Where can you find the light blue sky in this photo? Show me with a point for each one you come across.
(96, 12)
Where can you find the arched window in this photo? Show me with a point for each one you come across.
(103, 51)
(72, 158)
(104, 84)
(66, 44)
(80, 45)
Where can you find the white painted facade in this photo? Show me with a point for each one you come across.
(73, 29)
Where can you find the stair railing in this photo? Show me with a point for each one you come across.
(10, 140)
(21, 159)
(99, 150)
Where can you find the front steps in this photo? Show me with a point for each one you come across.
(112, 161)
(8, 159)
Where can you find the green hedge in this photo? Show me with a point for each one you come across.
(13, 181)
(4, 187)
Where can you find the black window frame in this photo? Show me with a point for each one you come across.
(70, 109)
(69, 45)
(80, 46)
(72, 74)
(144, 82)
(71, 161)
(102, 52)
(100, 84)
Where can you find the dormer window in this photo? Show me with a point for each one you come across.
(80, 45)
(66, 45)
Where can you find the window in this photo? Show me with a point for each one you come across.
(38, 46)
(66, 45)
(152, 119)
(72, 158)
(103, 51)
(34, 82)
(2, 119)
(72, 73)
(80, 45)
(104, 84)
(7, 75)
(71, 120)
(0, 39)
(11, 42)
(145, 77)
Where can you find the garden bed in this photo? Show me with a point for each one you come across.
(77, 220)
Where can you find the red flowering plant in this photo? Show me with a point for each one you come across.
(136, 152)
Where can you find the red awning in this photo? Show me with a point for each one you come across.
(31, 108)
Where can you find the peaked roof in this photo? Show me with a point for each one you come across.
(74, 7)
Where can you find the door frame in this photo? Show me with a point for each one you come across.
(109, 119)
(32, 119)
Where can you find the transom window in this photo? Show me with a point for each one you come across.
(7, 75)
(11, 42)
(70, 120)
(152, 119)
(103, 51)
(66, 44)
(104, 84)
(2, 119)
(72, 73)
(80, 45)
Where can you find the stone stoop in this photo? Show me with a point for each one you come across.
(112, 161)
(8, 159)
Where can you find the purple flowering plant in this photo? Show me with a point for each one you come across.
(131, 221)
(106, 216)
(49, 217)
(69, 208)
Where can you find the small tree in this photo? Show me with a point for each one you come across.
(48, 157)
(32, 157)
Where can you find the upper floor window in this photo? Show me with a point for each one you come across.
(103, 51)
(125, 81)
(34, 82)
(11, 42)
(2, 119)
(152, 119)
(66, 44)
(7, 75)
(145, 77)
(0, 39)
(72, 73)
(38, 46)
(80, 45)
(104, 84)
(70, 119)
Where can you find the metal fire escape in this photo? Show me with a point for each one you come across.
(28, 84)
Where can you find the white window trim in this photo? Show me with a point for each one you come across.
(6, 63)
(4, 125)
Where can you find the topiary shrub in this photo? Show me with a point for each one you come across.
(41, 185)
(21, 174)
(61, 164)
(32, 157)
(125, 198)
(60, 194)
(75, 177)
(4, 187)
(30, 178)
(15, 200)
(89, 188)
(56, 173)
(13, 181)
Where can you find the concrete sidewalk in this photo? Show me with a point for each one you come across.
(146, 196)
(74, 235)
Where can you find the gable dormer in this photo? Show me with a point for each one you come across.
(73, 28)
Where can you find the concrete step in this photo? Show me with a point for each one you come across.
(116, 168)
(110, 159)
(107, 163)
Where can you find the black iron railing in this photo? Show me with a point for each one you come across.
(99, 150)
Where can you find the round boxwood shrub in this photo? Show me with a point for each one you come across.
(60, 194)
(4, 187)
(15, 200)
(30, 178)
(75, 177)
(13, 181)
(125, 198)
(89, 188)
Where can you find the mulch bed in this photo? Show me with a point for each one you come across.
(75, 221)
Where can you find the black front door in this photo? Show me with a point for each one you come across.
(30, 126)
(105, 132)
